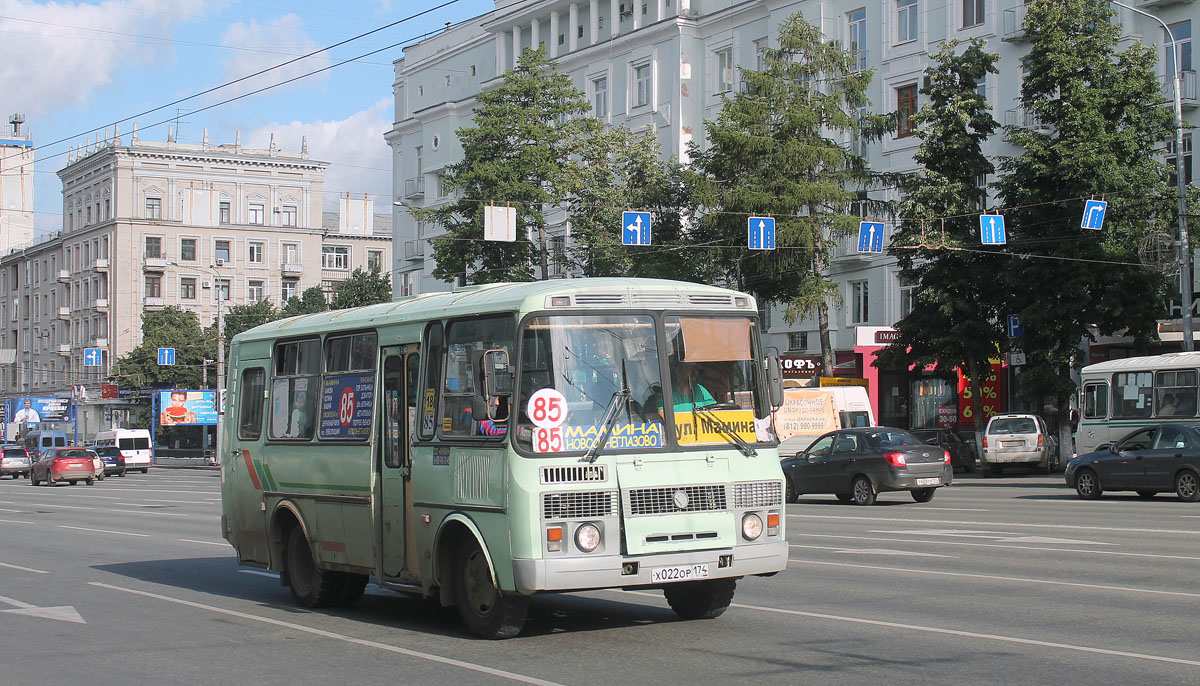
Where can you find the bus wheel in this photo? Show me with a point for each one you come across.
(353, 586)
(485, 610)
(310, 586)
(700, 599)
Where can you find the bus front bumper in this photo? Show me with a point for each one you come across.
(579, 573)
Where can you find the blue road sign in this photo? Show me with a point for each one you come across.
(166, 357)
(1093, 214)
(761, 233)
(93, 357)
(1015, 329)
(870, 236)
(991, 229)
(635, 228)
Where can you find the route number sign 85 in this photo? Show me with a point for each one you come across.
(547, 409)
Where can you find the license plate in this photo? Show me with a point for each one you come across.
(680, 573)
(1012, 444)
(929, 482)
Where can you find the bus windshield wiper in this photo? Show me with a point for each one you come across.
(620, 399)
(718, 426)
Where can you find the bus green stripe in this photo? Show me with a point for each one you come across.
(323, 487)
(262, 475)
(270, 478)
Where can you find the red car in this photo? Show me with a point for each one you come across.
(70, 464)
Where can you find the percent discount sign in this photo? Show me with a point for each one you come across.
(993, 395)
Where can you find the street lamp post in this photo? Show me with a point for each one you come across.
(1185, 250)
(220, 363)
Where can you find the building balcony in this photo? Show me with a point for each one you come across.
(100, 343)
(64, 276)
(100, 305)
(64, 349)
(846, 250)
(154, 264)
(1164, 3)
(100, 265)
(1025, 119)
(291, 269)
(1014, 24)
(64, 312)
(154, 303)
(1187, 89)
(414, 250)
(415, 187)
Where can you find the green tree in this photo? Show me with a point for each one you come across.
(239, 318)
(362, 288)
(955, 319)
(775, 150)
(310, 301)
(1095, 124)
(523, 150)
(170, 327)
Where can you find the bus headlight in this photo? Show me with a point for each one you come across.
(587, 537)
(752, 526)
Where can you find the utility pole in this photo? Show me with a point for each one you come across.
(218, 282)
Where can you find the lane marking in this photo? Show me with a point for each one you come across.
(102, 531)
(65, 507)
(482, 669)
(996, 577)
(14, 521)
(150, 512)
(1002, 536)
(951, 632)
(181, 502)
(1042, 526)
(954, 509)
(259, 572)
(66, 493)
(5, 509)
(64, 613)
(1000, 545)
(23, 569)
(192, 540)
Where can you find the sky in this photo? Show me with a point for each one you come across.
(72, 67)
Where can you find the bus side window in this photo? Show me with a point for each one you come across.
(294, 389)
(466, 339)
(250, 403)
(1095, 401)
(433, 368)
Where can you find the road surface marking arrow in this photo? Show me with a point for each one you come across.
(64, 613)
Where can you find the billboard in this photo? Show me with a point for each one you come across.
(30, 410)
(346, 401)
(187, 408)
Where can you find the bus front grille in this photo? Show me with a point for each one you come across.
(672, 499)
(567, 474)
(757, 494)
(578, 504)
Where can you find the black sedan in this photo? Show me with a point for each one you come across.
(858, 464)
(114, 461)
(962, 454)
(1150, 460)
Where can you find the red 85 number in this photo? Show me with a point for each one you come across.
(548, 440)
(547, 408)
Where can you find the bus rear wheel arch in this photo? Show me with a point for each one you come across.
(486, 611)
(310, 586)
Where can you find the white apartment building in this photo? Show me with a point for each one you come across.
(16, 185)
(149, 224)
(662, 65)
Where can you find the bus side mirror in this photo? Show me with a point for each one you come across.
(775, 381)
(497, 384)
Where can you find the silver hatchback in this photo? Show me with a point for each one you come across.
(1018, 440)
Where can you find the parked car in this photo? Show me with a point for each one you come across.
(858, 464)
(962, 453)
(1018, 440)
(114, 461)
(14, 460)
(71, 464)
(1150, 460)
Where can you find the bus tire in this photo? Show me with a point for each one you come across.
(310, 586)
(486, 611)
(353, 586)
(700, 599)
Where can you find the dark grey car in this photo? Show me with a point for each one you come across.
(1150, 460)
(858, 464)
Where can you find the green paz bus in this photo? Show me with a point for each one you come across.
(497, 441)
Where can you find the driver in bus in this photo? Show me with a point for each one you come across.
(687, 391)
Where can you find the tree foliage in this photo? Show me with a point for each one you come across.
(170, 327)
(239, 318)
(310, 301)
(777, 149)
(362, 288)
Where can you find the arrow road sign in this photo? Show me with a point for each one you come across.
(1093, 214)
(635, 228)
(991, 229)
(65, 613)
(1015, 328)
(166, 357)
(870, 237)
(93, 357)
(761, 233)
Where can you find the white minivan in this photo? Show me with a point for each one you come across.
(134, 445)
(809, 412)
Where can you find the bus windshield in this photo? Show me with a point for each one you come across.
(571, 368)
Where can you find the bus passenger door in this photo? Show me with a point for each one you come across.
(396, 462)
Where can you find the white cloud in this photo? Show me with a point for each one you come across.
(266, 45)
(361, 161)
(56, 56)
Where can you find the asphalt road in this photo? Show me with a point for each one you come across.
(998, 581)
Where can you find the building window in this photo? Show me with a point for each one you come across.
(223, 208)
(107, 208)
(374, 259)
(153, 286)
(153, 246)
(798, 341)
(89, 216)
(1182, 33)
(600, 96)
(329, 288)
(258, 214)
(725, 70)
(439, 185)
(187, 288)
(153, 209)
(221, 251)
(906, 106)
(558, 255)
(908, 289)
(641, 79)
(906, 20)
(972, 13)
(291, 253)
(858, 302)
(858, 39)
(221, 292)
(287, 289)
(256, 252)
(256, 291)
(1187, 159)
(287, 216)
(760, 54)
(335, 257)
(187, 249)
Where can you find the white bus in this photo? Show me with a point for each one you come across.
(1118, 396)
